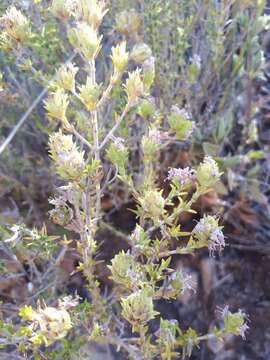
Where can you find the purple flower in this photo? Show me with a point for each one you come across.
(216, 241)
(184, 176)
(155, 136)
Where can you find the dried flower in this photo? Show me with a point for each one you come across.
(208, 172)
(209, 233)
(119, 57)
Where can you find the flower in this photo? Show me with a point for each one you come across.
(134, 86)
(119, 57)
(68, 302)
(140, 53)
(181, 123)
(85, 38)
(208, 172)
(128, 22)
(209, 233)
(234, 323)
(119, 143)
(184, 176)
(138, 309)
(91, 11)
(56, 105)
(69, 160)
(16, 25)
(63, 9)
(66, 77)
(155, 136)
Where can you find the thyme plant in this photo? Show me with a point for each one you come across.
(89, 153)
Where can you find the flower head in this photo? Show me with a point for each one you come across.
(209, 233)
(16, 25)
(234, 323)
(119, 57)
(138, 308)
(184, 176)
(140, 53)
(128, 22)
(208, 172)
(91, 11)
(66, 77)
(69, 160)
(63, 9)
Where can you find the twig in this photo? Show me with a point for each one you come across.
(29, 110)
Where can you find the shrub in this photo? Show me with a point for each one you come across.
(90, 148)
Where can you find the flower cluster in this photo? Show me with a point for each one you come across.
(69, 161)
(48, 323)
(184, 176)
(209, 232)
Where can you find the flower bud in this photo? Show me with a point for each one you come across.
(119, 57)
(153, 204)
(140, 53)
(90, 94)
(69, 161)
(63, 9)
(134, 86)
(209, 233)
(208, 173)
(128, 22)
(180, 123)
(91, 11)
(85, 39)
(138, 309)
(56, 105)
(16, 25)
(66, 77)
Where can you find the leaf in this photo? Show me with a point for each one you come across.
(211, 149)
